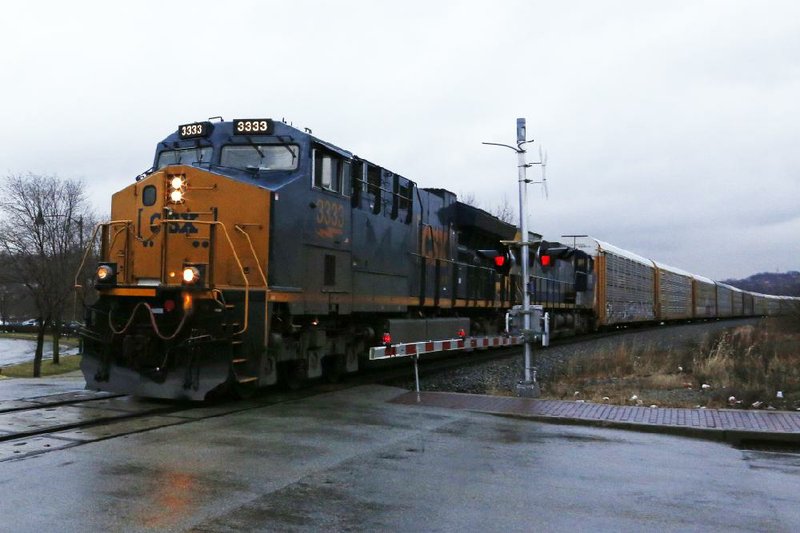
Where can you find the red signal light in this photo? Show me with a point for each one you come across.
(387, 338)
(545, 260)
(499, 260)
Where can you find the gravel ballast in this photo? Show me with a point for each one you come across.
(501, 375)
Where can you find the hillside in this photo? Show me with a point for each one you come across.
(784, 284)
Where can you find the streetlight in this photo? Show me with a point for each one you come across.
(529, 387)
(39, 221)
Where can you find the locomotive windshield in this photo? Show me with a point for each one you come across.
(185, 156)
(260, 156)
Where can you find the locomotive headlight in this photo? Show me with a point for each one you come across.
(106, 273)
(177, 188)
(191, 275)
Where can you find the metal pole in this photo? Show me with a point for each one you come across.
(524, 252)
(529, 387)
(416, 374)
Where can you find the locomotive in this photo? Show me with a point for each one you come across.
(253, 252)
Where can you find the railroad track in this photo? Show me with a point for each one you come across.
(43, 424)
(47, 423)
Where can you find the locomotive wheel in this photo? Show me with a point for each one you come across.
(243, 391)
(294, 374)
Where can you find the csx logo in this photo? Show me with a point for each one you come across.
(176, 227)
(435, 243)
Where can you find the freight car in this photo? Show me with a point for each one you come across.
(253, 251)
(633, 290)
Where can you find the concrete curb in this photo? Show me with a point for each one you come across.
(722, 425)
(730, 436)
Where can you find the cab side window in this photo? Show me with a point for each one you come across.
(331, 172)
(327, 171)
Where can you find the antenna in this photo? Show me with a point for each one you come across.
(543, 162)
(575, 240)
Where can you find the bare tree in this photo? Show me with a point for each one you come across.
(45, 222)
(503, 210)
(469, 199)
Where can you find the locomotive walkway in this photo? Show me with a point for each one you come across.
(733, 426)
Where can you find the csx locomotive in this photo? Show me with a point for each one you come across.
(253, 252)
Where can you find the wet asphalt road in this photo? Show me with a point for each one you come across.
(350, 461)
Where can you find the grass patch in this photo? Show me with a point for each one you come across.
(68, 363)
(748, 363)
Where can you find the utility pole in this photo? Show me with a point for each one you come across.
(529, 387)
(574, 239)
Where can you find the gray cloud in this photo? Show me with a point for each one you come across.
(671, 128)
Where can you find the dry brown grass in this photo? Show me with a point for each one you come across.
(665, 381)
(750, 363)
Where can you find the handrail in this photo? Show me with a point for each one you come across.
(75, 284)
(238, 262)
(241, 230)
(91, 242)
(164, 222)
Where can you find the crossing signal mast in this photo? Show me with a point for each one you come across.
(529, 387)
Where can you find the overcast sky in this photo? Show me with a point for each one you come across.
(671, 127)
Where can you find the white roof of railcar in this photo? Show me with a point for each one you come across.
(610, 248)
(703, 279)
(731, 287)
(673, 269)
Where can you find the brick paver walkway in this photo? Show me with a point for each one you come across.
(719, 424)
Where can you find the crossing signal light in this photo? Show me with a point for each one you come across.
(502, 261)
(547, 253)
